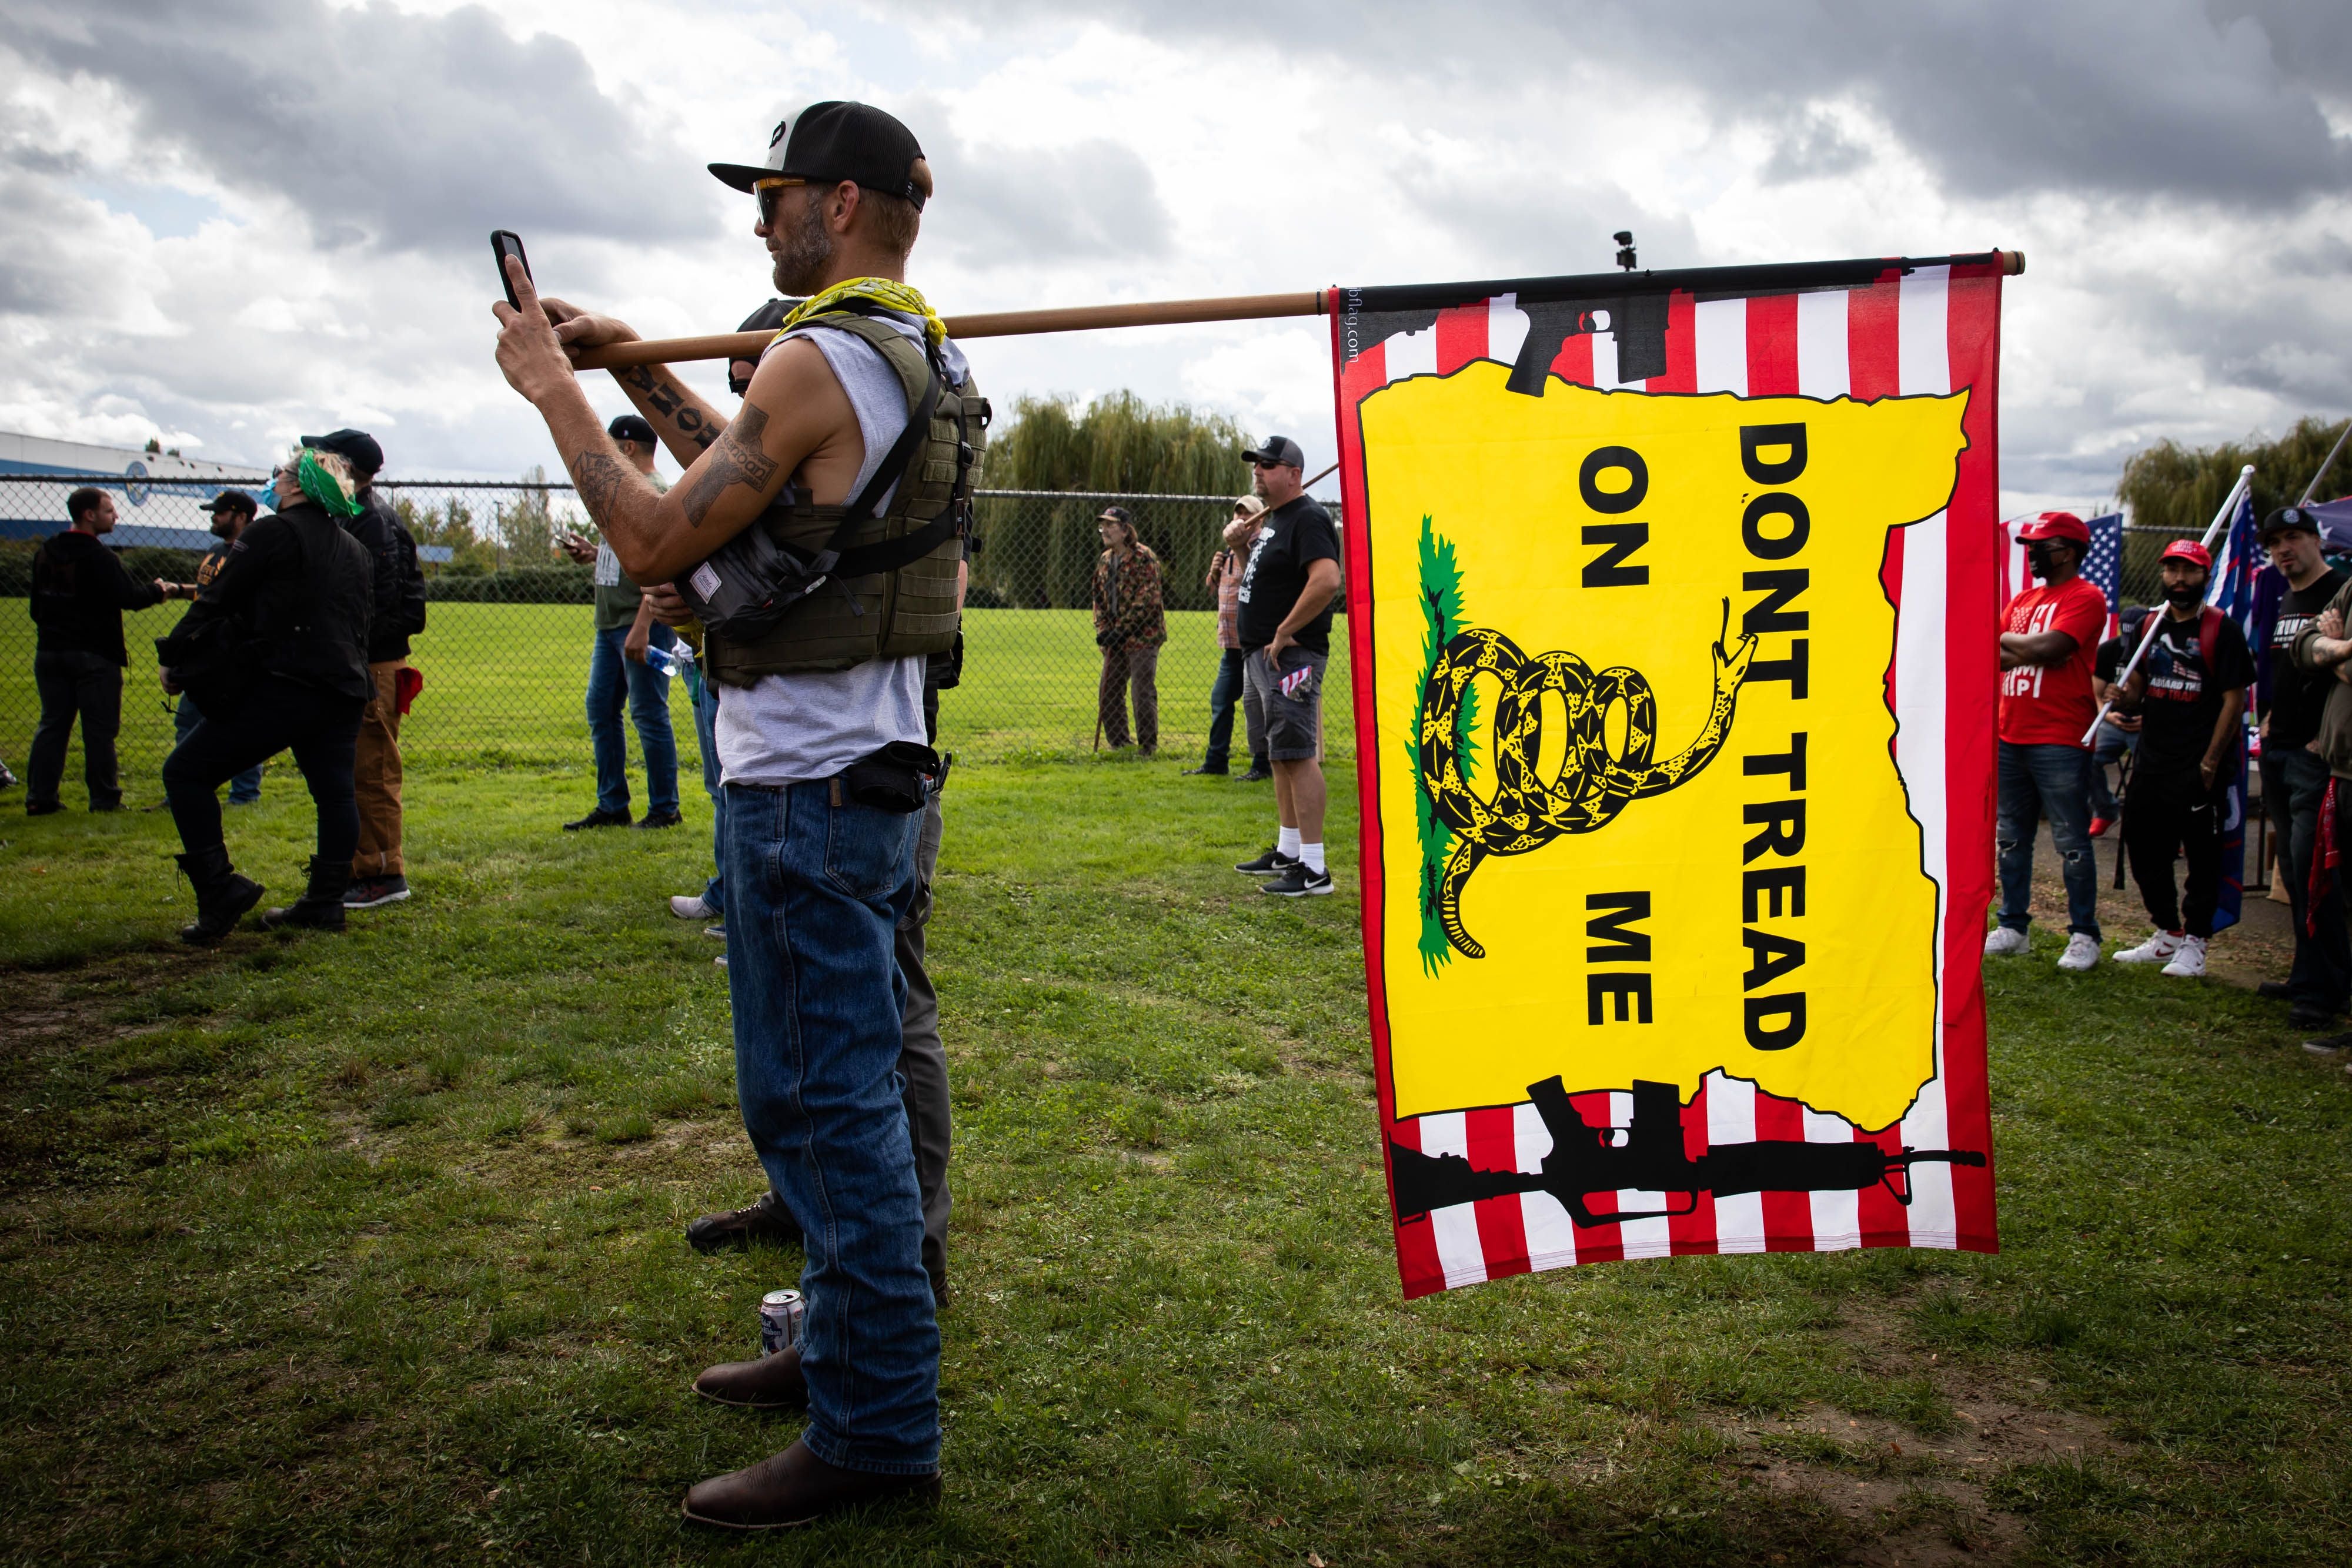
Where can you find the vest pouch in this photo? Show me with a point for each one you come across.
(749, 582)
(896, 778)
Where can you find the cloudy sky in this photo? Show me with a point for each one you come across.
(227, 220)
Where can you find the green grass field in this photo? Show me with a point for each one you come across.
(366, 1249)
(504, 685)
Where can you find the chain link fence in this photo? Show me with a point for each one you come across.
(505, 652)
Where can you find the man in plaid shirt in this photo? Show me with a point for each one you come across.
(1226, 569)
(1131, 624)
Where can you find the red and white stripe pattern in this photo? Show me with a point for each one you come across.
(1929, 331)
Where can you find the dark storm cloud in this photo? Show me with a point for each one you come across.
(2119, 97)
(1001, 207)
(399, 131)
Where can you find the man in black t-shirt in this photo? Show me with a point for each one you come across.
(2190, 694)
(2294, 778)
(1285, 629)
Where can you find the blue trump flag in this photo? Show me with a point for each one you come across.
(2232, 591)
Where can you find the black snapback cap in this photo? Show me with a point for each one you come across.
(356, 447)
(2286, 519)
(1278, 449)
(631, 427)
(233, 501)
(837, 140)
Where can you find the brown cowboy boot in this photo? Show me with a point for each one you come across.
(771, 1383)
(796, 1487)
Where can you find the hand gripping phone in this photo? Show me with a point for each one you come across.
(505, 243)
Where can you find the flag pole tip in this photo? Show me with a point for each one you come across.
(2012, 263)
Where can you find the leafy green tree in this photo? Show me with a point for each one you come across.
(1040, 554)
(2176, 487)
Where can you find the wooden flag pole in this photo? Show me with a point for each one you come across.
(991, 324)
(1155, 313)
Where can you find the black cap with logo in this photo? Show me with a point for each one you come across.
(837, 140)
(1280, 450)
(356, 447)
(233, 501)
(631, 427)
(2287, 519)
(1116, 514)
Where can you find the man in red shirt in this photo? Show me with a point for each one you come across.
(2049, 637)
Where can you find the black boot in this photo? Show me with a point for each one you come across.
(321, 908)
(222, 896)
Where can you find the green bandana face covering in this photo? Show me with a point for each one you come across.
(321, 487)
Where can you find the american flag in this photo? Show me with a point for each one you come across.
(1917, 330)
(2103, 567)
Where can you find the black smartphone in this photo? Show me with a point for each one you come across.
(505, 243)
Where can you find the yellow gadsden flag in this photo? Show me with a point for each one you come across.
(1649, 847)
(1671, 609)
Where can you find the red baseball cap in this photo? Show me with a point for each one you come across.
(2056, 526)
(2188, 551)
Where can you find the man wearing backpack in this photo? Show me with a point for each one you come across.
(2190, 694)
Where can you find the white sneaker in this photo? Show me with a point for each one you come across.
(2189, 962)
(2155, 950)
(690, 906)
(2000, 942)
(2081, 952)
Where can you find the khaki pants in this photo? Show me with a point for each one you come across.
(375, 776)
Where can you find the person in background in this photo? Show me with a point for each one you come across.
(1224, 579)
(79, 592)
(1131, 624)
(1285, 627)
(619, 672)
(304, 589)
(231, 510)
(2190, 692)
(2118, 732)
(2294, 778)
(2322, 647)
(379, 870)
(2048, 639)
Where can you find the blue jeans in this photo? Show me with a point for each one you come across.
(246, 788)
(2038, 782)
(2108, 746)
(816, 890)
(1224, 702)
(611, 677)
(705, 734)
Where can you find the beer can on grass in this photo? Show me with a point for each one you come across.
(780, 1321)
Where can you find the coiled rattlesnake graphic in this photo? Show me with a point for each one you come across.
(1527, 812)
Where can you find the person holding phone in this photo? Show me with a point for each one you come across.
(823, 815)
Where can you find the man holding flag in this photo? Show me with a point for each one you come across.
(2190, 691)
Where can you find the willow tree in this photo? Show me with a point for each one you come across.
(1040, 552)
(2176, 487)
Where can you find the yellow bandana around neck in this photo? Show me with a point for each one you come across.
(882, 292)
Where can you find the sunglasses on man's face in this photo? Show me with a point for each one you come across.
(770, 192)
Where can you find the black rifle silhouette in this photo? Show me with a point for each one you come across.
(1638, 322)
(1649, 1157)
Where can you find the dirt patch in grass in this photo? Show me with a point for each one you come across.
(1918, 1489)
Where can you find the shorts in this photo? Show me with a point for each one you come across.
(1284, 728)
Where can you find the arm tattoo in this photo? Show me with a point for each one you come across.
(665, 400)
(598, 479)
(736, 460)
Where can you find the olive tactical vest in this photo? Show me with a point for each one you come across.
(910, 608)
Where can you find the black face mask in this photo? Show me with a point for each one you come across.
(2040, 557)
(2185, 596)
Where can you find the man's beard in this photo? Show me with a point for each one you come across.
(805, 255)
